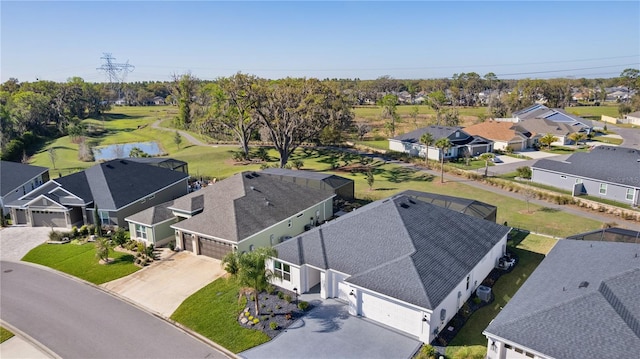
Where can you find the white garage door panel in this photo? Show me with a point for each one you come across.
(394, 315)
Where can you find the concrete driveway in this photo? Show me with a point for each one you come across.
(328, 331)
(16, 241)
(165, 284)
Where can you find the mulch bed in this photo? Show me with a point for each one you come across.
(272, 309)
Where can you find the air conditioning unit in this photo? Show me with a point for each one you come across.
(284, 238)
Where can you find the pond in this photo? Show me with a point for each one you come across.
(123, 150)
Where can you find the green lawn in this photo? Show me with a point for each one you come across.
(594, 111)
(609, 140)
(5, 335)
(379, 144)
(530, 251)
(80, 261)
(213, 312)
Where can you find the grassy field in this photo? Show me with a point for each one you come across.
(80, 261)
(127, 124)
(594, 111)
(531, 249)
(213, 312)
(5, 335)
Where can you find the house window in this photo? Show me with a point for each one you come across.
(104, 217)
(530, 355)
(141, 231)
(282, 270)
(603, 188)
(468, 280)
(507, 346)
(629, 195)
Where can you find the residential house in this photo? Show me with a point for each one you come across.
(606, 171)
(633, 118)
(578, 124)
(153, 225)
(118, 188)
(462, 143)
(404, 263)
(158, 100)
(17, 179)
(341, 186)
(503, 134)
(580, 302)
(536, 128)
(246, 211)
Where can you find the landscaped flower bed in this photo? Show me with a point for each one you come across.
(277, 312)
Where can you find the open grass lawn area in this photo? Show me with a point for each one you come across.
(589, 111)
(379, 144)
(530, 252)
(80, 261)
(5, 335)
(213, 312)
(608, 140)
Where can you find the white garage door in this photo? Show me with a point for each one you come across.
(343, 291)
(394, 315)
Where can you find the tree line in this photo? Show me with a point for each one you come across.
(286, 112)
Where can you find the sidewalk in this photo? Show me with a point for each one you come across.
(17, 347)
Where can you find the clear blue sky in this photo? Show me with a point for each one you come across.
(405, 40)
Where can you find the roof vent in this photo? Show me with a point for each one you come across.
(404, 205)
(267, 203)
(249, 176)
(255, 174)
(124, 162)
(252, 188)
(583, 284)
(412, 201)
(109, 166)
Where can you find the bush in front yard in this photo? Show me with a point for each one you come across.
(303, 305)
(273, 325)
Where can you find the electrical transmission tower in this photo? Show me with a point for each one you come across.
(116, 72)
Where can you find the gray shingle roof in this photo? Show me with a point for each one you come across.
(333, 181)
(406, 249)
(114, 184)
(553, 310)
(14, 175)
(621, 164)
(543, 126)
(153, 215)
(556, 115)
(437, 132)
(244, 204)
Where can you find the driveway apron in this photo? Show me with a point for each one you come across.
(328, 331)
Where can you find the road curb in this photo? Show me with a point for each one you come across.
(177, 325)
(29, 339)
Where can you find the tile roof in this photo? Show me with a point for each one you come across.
(496, 131)
(244, 204)
(621, 164)
(407, 249)
(14, 175)
(581, 302)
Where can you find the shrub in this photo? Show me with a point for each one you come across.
(55, 236)
(172, 245)
(119, 237)
(273, 325)
(427, 352)
(149, 250)
(251, 317)
(264, 318)
(84, 230)
(477, 300)
(140, 247)
(256, 320)
(246, 314)
(278, 306)
(303, 305)
(298, 164)
(280, 295)
(287, 297)
(524, 172)
(91, 229)
(262, 305)
(74, 232)
(271, 289)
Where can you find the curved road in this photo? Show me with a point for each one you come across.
(76, 320)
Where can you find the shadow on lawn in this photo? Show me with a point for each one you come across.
(126, 259)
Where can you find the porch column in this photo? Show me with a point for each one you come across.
(179, 241)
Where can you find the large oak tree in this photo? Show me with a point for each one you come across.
(295, 111)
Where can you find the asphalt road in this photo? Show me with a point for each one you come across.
(76, 320)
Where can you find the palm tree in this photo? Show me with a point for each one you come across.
(427, 140)
(486, 157)
(102, 249)
(250, 271)
(444, 145)
(548, 139)
(577, 137)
